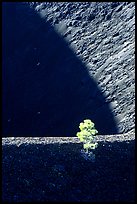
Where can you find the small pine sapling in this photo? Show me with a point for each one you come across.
(87, 136)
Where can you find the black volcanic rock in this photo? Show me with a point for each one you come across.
(41, 170)
(62, 65)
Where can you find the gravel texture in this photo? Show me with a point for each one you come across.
(67, 61)
(54, 169)
(64, 62)
(48, 140)
(102, 34)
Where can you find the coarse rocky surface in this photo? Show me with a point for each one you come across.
(101, 35)
(77, 63)
(53, 169)
(48, 140)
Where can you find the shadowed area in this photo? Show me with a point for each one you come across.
(46, 89)
(58, 172)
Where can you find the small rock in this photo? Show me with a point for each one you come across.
(91, 17)
(38, 63)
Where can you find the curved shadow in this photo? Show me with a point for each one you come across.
(47, 90)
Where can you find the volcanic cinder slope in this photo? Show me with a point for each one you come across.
(67, 61)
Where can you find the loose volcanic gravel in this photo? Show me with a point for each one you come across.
(48, 140)
(102, 34)
(67, 61)
(54, 169)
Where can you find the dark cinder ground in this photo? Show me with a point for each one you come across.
(64, 62)
(53, 169)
